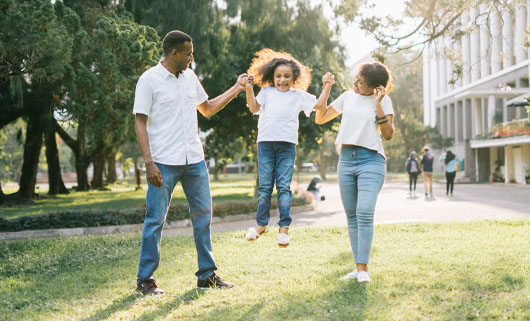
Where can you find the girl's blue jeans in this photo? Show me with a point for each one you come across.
(361, 173)
(275, 164)
(196, 185)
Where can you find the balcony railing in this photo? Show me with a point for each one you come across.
(519, 127)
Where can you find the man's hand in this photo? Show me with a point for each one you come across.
(242, 81)
(153, 174)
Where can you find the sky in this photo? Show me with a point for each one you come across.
(358, 44)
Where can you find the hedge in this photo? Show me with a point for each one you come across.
(94, 218)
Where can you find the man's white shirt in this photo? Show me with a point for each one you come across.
(170, 104)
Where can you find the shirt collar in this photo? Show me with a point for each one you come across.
(163, 71)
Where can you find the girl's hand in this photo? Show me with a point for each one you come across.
(379, 93)
(250, 82)
(328, 78)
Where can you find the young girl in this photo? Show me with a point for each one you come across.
(283, 81)
(367, 114)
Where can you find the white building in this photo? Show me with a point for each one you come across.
(476, 109)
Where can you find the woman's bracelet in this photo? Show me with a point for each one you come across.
(382, 122)
(380, 118)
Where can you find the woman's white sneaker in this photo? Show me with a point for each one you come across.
(349, 276)
(363, 276)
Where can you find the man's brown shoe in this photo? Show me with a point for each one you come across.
(148, 287)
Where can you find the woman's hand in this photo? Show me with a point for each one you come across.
(379, 93)
(328, 79)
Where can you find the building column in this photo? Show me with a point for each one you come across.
(426, 87)
(440, 62)
(504, 110)
(507, 38)
(485, 49)
(475, 46)
(491, 111)
(474, 116)
(456, 121)
(448, 64)
(496, 37)
(466, 53)
(519, 33)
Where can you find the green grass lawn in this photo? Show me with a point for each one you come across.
(443, 271)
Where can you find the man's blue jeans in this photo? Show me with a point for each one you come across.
(194, 180)
(361, 173)
(275, 163)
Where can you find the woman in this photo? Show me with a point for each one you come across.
(367, 114)
(451, 167)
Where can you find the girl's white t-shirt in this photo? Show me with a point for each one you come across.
(358, 125)
(278, 114)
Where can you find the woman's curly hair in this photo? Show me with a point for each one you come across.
(377, 74)
(266, 60)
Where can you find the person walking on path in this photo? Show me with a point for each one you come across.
(427, 166)
(367, 114)
(166, 101)
(451, 167)
(413, 169)
(283, 81)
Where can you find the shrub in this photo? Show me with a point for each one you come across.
(72, 219)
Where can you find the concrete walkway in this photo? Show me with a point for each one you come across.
(394, 205)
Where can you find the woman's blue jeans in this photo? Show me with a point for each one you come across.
(275, 163)
(196, 185)
(361, 173)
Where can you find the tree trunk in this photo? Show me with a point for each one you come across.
(111, 168)
(82, 160)
(99, 163)
(2, 195)
(323, 164)
(81, 167)
(30, 165)
(55, 181)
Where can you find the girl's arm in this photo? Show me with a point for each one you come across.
(324, 113)
(385, 122)
(252, 103)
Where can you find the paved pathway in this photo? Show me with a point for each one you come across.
(471, 202)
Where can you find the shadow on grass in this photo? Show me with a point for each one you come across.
(117, 305)
(166, 308)
(333, 299)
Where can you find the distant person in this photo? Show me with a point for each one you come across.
(451, 167)
(427, 166)
(314, 189)
(413, 169)
(283, 81)
(367, 114)
(165, 106)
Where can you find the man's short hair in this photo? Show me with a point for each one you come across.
(174, 40)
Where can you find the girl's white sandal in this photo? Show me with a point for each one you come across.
(283, 240)
(253, 234)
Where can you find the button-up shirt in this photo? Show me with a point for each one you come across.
(170, 104)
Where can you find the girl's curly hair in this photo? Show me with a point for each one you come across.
(266, 61)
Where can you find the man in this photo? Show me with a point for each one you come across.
(165, 106)
(426, 164)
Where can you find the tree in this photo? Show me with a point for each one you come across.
(111, 54)
(33, 62)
